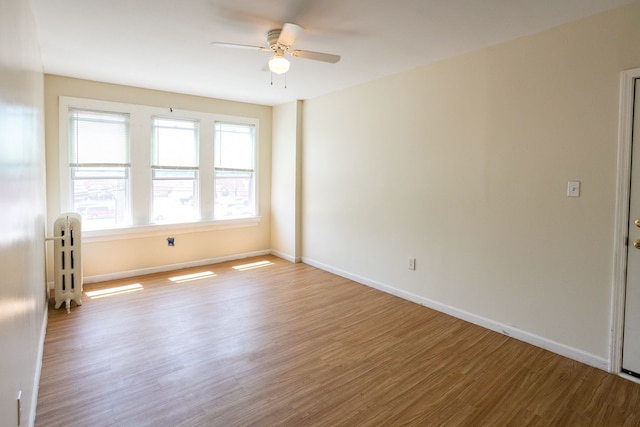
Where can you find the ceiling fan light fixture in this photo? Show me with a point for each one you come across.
(278, 64)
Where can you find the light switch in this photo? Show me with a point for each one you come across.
(573, 189)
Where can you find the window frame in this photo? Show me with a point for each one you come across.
(157, 167)
(254, 161)
(74, 165)
(141, 116)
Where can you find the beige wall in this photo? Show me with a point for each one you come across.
(464, 165)
(285, 190)
(22, 226)
(109, 258)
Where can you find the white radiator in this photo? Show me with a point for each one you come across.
(67, 259)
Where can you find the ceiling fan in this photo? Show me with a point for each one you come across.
(279, 41)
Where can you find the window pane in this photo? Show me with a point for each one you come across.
(175, 143)
(234, 197)
(103, 203)
(175, 200)
(234, 146)
(99, 137)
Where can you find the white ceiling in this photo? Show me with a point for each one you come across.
(165, 44)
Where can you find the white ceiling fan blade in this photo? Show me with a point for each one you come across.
(241, 46)
(317, 56)
(289, 34)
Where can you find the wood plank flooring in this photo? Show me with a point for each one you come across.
(286, 344)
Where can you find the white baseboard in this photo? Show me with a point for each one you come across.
(170, 267)
(286, 257)
(629, 377)
(38, 370)
(519, 334)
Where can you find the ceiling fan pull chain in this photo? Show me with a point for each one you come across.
(285, 80)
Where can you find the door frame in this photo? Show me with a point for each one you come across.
(623, 194)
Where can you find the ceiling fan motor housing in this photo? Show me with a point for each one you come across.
(272, 37)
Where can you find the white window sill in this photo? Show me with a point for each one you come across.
(155, 230)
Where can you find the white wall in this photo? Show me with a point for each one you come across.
(22, 226)
(464, 165)
(116, 258)
(285, 180)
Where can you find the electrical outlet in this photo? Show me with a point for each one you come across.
(412, 264)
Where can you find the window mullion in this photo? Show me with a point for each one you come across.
(140, 167)
(207, 188)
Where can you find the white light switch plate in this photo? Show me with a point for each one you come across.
(573, 189)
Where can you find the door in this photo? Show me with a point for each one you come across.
(631, 338)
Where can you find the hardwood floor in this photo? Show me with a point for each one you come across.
(286, 344)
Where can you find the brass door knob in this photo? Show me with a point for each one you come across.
(636, 243)
(637, 222)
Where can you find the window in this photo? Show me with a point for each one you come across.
(128, 165)
(99, 167)
(174, 168)
(234, 171)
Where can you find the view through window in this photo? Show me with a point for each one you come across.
(175, 170)
(234, 171)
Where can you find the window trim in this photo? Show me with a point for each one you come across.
(141, 117)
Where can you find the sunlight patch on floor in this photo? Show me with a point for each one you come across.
(118, 290)
(252, 265)
(193, 276)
